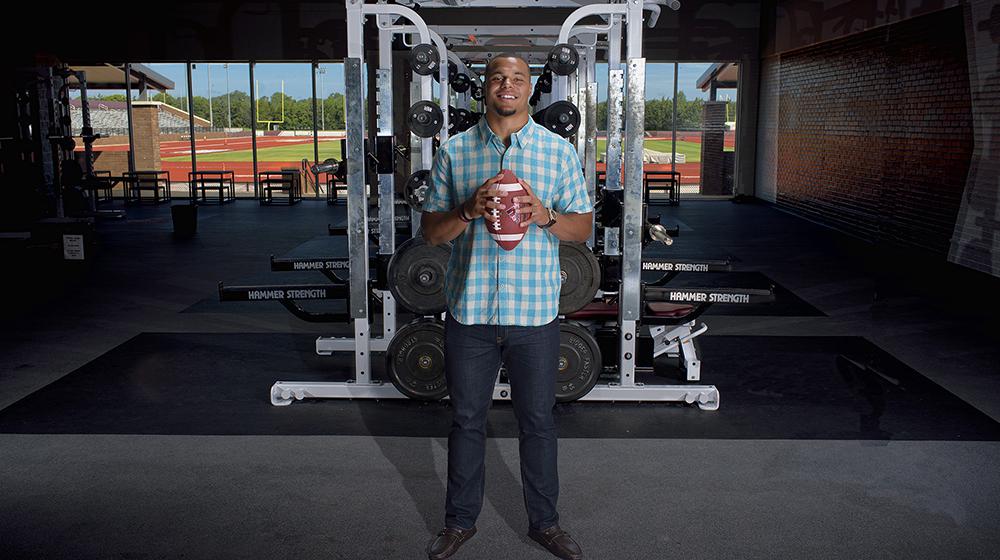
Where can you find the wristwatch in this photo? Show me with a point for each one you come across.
(552, 219)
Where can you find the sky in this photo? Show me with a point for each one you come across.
(296, 80)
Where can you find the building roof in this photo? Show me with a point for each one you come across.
(110, 76)
(724, 74)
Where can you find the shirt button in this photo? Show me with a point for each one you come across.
(503, 287)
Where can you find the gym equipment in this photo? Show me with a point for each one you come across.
(579, 362)
(424, 59)
(424, 119)
(415, 360)
(563, 59)
(415, 189)
(581, 276)
(477, 92)
(561, 117)
(416, 276)
(460, 83)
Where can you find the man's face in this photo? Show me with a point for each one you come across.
(508, 87)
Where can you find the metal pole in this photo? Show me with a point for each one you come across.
(211, 115)
(322, 100)
(229, 109)
(673, 133)
(253, 130)
(190, 104)
(315, 66)
(128, 112)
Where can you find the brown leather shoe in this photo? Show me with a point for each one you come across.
(558, 542)
(447, 542)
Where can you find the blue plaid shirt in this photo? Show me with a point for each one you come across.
(484, 284)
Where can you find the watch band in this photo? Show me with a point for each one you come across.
(552, 220)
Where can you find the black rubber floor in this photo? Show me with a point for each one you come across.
(771, 387)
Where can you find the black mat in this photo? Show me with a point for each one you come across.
(771, 388)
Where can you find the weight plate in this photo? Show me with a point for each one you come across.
(561, 117)
(581, 276)
(477, 92)
(464, 117)
(544, 83)
(424, 119)
(424, 59)
(415, 190)
(461, 83)
(563, 59)
(452, 121)
(579, 362)
(416, 276)
(415, 360)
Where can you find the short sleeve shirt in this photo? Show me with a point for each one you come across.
(485, 284)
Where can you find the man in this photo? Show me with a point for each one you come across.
(503, 306)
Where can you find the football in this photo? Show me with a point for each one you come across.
(506, 228)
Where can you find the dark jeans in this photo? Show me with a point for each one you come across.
(472, 358)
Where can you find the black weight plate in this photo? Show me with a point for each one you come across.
(415, 190)
(465, 121)
(453, 121)
(561, 117)
(579, 362)
(544, 83)
(416, 276)
(581, 276)
(415, 360)
(563, 59)
(424, 59)
(477, 92)
(461, 83)
(424, 119)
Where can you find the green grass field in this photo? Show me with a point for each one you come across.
(691, 150)
(295, 152)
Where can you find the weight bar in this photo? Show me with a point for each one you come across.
(424, 119)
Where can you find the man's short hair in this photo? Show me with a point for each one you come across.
(489, 65)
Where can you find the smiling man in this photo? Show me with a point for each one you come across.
(503, 305)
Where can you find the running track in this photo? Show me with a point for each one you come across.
(243, 171)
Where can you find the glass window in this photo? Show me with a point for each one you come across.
(223, 144)
(285, 121)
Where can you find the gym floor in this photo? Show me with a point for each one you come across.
(859, 414)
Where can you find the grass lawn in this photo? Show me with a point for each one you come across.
(295, 152)
(691, 150)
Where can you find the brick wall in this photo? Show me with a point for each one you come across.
(873, 130)
(146, 129)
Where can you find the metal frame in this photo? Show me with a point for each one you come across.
(362, 344)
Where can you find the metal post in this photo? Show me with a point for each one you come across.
(190, 96)
(315, 65)
(673, 133)
(253, 130)
(322, 99)
(127, 69)
(229, 107)
(211, 115)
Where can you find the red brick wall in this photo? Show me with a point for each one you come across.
(874, 131)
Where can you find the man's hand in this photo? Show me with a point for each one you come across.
(481, 204)
(530, 205)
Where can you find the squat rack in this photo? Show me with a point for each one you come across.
(625, 85)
